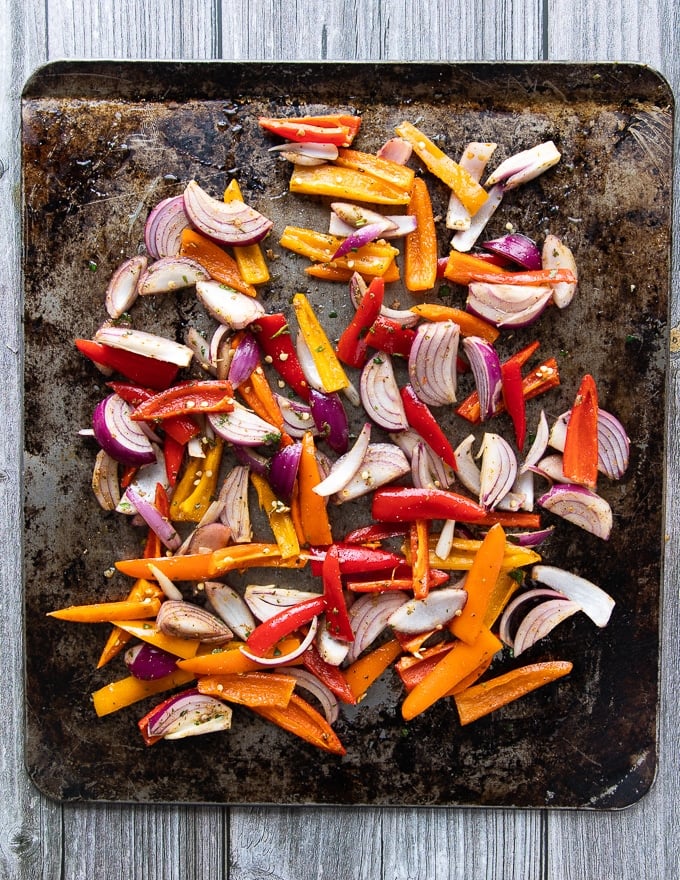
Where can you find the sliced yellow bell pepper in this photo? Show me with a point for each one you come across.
(146, 631)
(279, 517)
(333, 376)
(249, 257)
(108, 612)
(393, 173)
(196, 490)
(373, 259)
(127, 691)
(347, 184)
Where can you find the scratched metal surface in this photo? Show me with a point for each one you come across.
(105, 141)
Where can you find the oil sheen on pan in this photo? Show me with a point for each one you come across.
(105, 141)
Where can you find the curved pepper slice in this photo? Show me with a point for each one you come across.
(405, 504)
(334, 128)
(352, 348)
(273, 335)
(201, 396)
(135, 367)
(581, 444)
(422, 421)
(284, 623)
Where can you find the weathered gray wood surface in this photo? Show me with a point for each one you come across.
(39, 838)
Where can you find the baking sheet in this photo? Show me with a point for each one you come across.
(102, 143)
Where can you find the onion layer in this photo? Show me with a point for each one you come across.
(228, 306)
(122, 290)
(581, 507)
(120, 437)
(163, 228)
(507, 305)
(486, 368)
(380, 394)
(233, 223)
(597, 604)
(169, 274)
(432, 363)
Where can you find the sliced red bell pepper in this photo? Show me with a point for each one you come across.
(405, 504)
(422, 421)
(389, 336)
(268, 633)
(513, 399)
(181, 428)
(469, 408)
(579, 461)
(337, 618)
(374, 532)
(352, 348)
(336, 128)
(355, 559)
(201, 396)
(173, 453)
(136, 367)
(273, 335)
(329, 675)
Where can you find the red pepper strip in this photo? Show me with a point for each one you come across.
(375, 532)
(355, 559)
(329, 675)
(579, 462)
(513, 399)
(405, 504)
(336, 128)
(173, 453)
(282, 624)
(420, 554)
(181, 428)
(273, 335)
(135, 367)
(128, 476)
(469, 408)
(389, 336)
(352, 348)
(161, 501)
(201, 396)
(337, 618)
(411, 670)
(532, 278)
(422, 421)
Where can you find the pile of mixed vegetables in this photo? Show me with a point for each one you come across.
(447, 572)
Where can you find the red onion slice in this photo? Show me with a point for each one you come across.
(380, 394)
(320, 152)
(498, 471)
(243, 427)
(333, 651)
(123, 290)
(507, 305)
(235, 512)
(209, 534)
(539, 444)
(118, 435)
(185, 620)
(283, 470)
(511, 610)
(147, 344)
(474, 160)
(244, 360)
(169, 274)
(530, 539)
(467, 471)
(330, 419)
(428, 470)
(359, 238)
(154, 519)
(525, 166)
(519, 248)
(593, 601)
(397, 150)
(267, 600)
(382, 464)
(540, 621)
(147, 662)
(163, 228)
(486, 369)
(369, 616)
(297, 416)
(201, 349)
(557, 255)
(105, 481)
(233, 223)
(432, 612)
(145, 482)
(400, 225)
(189, 714)
(581, 507)
(357, 289)
(346, 466)
(309, 368)
(432, 363)
(231, 607)
(236, 310)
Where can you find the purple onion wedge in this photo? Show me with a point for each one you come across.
(189, 714)
(233, 223)
(120, 437)
(163, 228)
(581, 507)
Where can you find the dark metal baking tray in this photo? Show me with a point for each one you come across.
(104, 141)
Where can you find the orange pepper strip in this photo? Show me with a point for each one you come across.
(393, 173)
(217, 262)
(265, 395)
(249, 257)
(371, 259)
(328, 272)
(146, 631)
(420, 534)
(459, 662)
(579, 462)
(461, 268)
(229, 660)
(126, 691)
(367, 669)
(199, 566)
(420, 246)
(479, 583)
(348, 184)
(118, 637)
(468, 190)
(250, 688)
(470, 325)
(315, 523)
(296, 513)
(105, 612)
(481, 699)
(504, 588)
(304, 721)
(470, 679)
(513, 519)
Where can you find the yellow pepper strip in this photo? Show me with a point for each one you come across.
(146, 631)
(108, 612)
(420, 246)
(127, 691)
(204, 566)
(393, 173)
(328, 272)
(249, 257)
(373, 259)
(279, 517)
(118, 637)
(455, 665)
(367, 669)
(255, 688)
(471, 194)
(463, 551)
(480, 700)
(331, 373)
(200, 490)
(479, 583)
(470, 325)
(505, 586)
(229, 659)
(347, 184)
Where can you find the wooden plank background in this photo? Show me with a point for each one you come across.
(39, 838)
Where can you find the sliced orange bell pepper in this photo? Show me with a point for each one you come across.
(486, 697)
(363, 672)
(347, 184)
(503, 590)
(331, 372)
(470, 325)
(327, 272)
(393, 173)
(457, 663)
(230, 660)
(512, 519)
(371, 259)
(479, 583)
(313, 513)
(579, 461)
(304, 721)
(216, 261)
(461, 268)
(108, 612)
(420, 558)
(249, 688)
(127, 691)
(249, 258)
(118, 638)
(468, 190)
(420, 246)
(279, 517)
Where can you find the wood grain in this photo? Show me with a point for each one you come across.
(39, 838)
